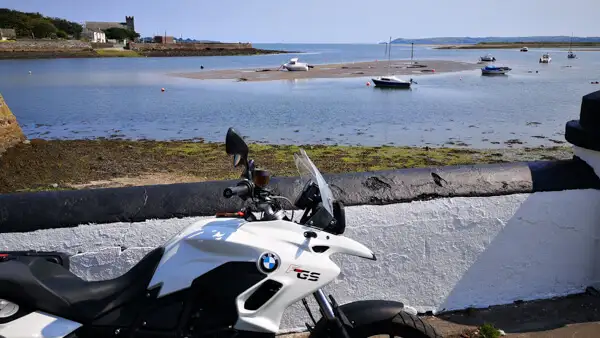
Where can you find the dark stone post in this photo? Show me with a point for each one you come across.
(584, 134)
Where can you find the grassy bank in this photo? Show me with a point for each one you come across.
(518, 45)
(116, 53)
(95, 53)
(47, 165)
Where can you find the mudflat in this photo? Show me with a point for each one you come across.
(343, 70)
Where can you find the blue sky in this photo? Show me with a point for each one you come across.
(360, 21)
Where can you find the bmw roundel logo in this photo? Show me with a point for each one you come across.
(268, 262)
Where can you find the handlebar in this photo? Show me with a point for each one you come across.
(242, 189)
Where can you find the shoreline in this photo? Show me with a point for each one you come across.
(519, 45)
(336, 70)
(111, 53)
(42, 165)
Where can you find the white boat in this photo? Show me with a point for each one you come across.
(524, 49)
(487, 58)
(390, 81)
(494, 70)
(545, 58)
(293, 65)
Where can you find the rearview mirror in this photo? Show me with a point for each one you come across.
(235, 145)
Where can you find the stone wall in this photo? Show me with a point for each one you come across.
(44, 45)
(188, 46)
(10, 132)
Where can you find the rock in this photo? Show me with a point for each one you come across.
(10, 131)
(26, 142)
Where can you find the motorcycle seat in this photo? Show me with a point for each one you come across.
(39, 285)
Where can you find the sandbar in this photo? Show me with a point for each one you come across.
(344, 70)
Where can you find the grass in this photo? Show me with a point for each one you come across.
(116, 53)
(489, 331)
(40, 165)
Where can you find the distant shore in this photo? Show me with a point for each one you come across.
(39, 165)
(339, 70)
(518, 45)
(56, 49)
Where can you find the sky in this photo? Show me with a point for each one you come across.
(331, 21)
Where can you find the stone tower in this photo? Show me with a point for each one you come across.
(130, 23)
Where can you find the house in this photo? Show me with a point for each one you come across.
(102, 26)
(7, 34)
(95, 36)
(164, 39)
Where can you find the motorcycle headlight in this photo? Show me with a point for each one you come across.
(261, 178)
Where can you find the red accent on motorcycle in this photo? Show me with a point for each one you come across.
(238, 214)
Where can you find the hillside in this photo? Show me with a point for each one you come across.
(476, 40)
(38, 26)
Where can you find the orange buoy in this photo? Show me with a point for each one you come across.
(162, 89)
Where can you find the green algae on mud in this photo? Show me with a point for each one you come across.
(74, 164)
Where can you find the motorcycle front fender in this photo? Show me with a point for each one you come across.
(362, 313)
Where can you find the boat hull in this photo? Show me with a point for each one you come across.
(296, 68)
(391, 84)
(494, 72)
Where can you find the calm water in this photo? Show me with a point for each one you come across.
(85, 98)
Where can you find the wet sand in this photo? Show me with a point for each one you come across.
(345, 70)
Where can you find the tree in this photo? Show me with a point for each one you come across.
(62, 34)
(70, 28)
(121, 34)
(42, 28)
(27, 23)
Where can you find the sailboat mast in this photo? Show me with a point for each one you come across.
(389, 53)
(571, 43)
(412, 48)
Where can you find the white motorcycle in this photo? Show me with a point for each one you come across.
(231, 276)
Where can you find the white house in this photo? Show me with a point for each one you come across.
(96, 36)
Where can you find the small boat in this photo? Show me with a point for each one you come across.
(293, 65)
(487, 58)
(545, 58)
(494, 70)
(524, 49)
(571, 55)
(391, 82)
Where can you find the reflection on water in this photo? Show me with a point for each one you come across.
(81, 98)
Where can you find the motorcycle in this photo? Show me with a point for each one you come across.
(229, 276)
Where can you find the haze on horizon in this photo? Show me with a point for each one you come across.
(332, 21)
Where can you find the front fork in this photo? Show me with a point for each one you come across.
(337, 321)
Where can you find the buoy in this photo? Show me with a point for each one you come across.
(433, 70)
(162, 89)
(368, 84)
(30, 72)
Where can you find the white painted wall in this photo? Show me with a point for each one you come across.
(435, 255)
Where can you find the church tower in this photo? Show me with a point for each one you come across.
(129, 22)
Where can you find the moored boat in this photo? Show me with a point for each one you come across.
(495, 70)
(294, 65)
(524, 49)
(571, 55)
(545, 58)
(487, 58)
(391, 82)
